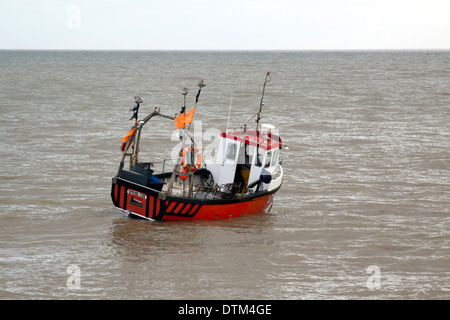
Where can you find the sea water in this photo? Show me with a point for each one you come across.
(363, 213)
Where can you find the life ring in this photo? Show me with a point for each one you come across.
(197, 155)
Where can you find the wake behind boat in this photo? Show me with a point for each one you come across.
(242, 179)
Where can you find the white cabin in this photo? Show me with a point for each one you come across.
(250, 159)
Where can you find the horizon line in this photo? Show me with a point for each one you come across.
(231, 50)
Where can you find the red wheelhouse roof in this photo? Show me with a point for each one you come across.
(266, 140)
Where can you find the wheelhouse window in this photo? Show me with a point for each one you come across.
(248, 156)
(231, 151)
(260, 157)
(275, 157)
(268, 159)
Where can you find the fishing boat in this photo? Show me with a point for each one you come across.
(242, 179)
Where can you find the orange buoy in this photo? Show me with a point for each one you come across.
(183, 175)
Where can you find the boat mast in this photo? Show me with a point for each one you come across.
(134, 138)
(176, 169)
(138, 100)
(258, 116)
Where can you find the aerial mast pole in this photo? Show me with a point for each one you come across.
(176, 170)
(258, 116)
(138, 100)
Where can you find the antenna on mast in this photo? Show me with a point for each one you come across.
(229, 111)
(200, 84)
(135, 109)
(258, 117)
(258, 113)
(184, 93)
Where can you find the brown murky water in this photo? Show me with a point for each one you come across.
(364, 211)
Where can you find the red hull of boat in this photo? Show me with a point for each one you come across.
(151, 204)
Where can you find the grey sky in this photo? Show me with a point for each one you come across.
(225, 25)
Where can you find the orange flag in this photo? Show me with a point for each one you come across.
(127, 137)
(179, 121)
(190, 115)
(129, 134)
(184, 118)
